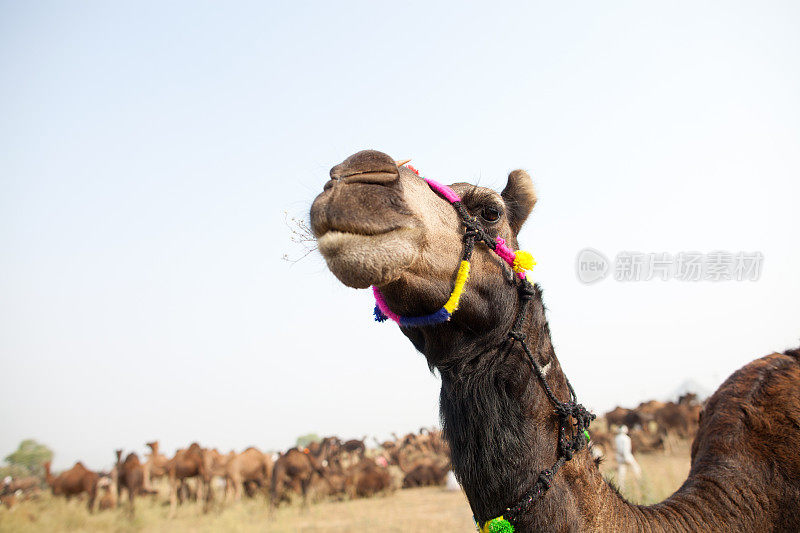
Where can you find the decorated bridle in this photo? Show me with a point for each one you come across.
(519, 260)
(568, 442)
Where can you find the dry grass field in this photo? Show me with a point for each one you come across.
(432, 509)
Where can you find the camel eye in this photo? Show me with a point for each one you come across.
(490, 214)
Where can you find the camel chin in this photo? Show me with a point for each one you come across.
(359, 261)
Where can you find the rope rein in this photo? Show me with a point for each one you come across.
(570, 441)
(572, 437)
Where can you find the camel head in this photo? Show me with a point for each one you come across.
(377, 223)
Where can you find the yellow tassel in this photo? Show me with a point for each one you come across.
(458, 288)
(523, 261)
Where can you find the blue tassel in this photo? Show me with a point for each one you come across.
(379, 316)
(438, 317)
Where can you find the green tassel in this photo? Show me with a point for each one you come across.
(500, 525)
(586, 434)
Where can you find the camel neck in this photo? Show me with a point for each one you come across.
(499, 423)
(502, 433)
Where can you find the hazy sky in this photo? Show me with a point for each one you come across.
(148, 152)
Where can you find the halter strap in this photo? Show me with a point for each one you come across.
(519, 260)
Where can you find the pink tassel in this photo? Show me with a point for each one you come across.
(507, 254)
(382, 305)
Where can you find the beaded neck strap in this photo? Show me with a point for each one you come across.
(519, 260)
(573, 418)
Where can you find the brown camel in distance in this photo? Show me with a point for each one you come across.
(379, 224)
(73, 482)
(130, 475)
(155, 467)
(355, 446)
(328, 449)
(293, 472)
(215, 464)
(367, 479)
(187, 463)
(250, 466)
(107, 494)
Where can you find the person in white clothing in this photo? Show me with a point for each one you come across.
(624, 456)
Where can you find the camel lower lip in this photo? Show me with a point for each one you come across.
(334, 233)
(362, 260)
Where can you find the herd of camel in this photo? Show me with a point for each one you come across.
(654, 425)
(328, 468)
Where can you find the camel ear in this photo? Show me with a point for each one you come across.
(519, 197)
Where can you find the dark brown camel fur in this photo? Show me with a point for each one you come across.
(355, 446)
(426, 474)
(367, 479)
(622, 416)
(130, 476)
(377, 224)
(328, 450)
(73, 482)
(293, 472)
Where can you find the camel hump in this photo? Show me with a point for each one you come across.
(757, 412)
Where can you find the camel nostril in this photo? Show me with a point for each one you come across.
(368, 166)
(377, 178)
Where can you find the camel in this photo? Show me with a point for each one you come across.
(249, 467)
(509, 415)
(621, 416)
(107, 491)
(326, 451)
(215, 465)
(294, 472)
(155, 467)
(366, 479)
(421, 467)
(13, 490)
(24, 484)
(73, 482)
(130, 475)
(188, 463)
(427, 474)
(355, 446)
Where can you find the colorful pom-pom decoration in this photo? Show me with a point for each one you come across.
(497, 525)
(523, 261)
(379, 316)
